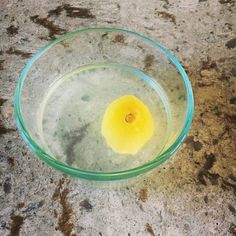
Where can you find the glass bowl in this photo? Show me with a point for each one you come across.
(66, 87)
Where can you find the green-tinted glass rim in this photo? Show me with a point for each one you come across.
(91, 175)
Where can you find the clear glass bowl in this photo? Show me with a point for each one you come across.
(65, 88)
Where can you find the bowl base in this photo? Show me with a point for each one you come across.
(71, 113)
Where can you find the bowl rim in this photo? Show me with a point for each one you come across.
(93, 175)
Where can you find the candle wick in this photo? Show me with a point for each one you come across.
(129, 118)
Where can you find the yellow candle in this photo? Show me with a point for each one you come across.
(127, 125)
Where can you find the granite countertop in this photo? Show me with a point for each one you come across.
(191, 194)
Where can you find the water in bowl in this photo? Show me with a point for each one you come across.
(71, 114)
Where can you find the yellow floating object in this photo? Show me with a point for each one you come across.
(127, 125)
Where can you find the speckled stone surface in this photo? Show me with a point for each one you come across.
(191, 194)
